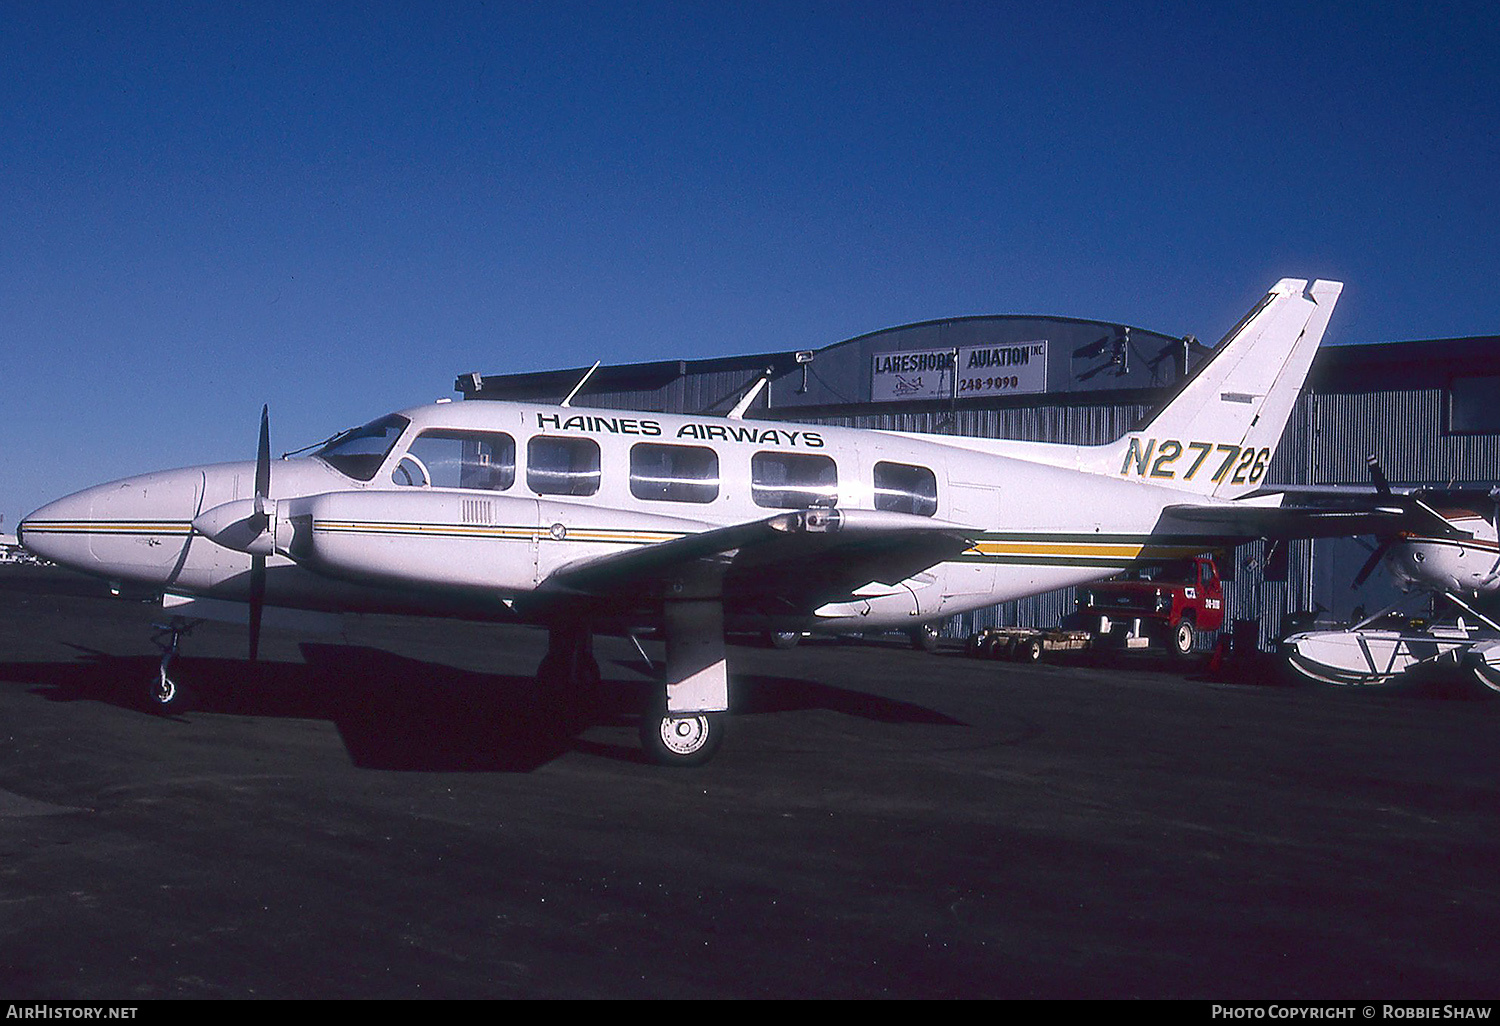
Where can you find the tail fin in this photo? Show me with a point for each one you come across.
(1217, 435)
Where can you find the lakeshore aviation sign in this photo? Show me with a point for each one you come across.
(971, 372)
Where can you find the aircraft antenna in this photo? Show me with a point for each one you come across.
(581, 382)
(738, 413)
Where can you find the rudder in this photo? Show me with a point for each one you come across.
(1218, 433)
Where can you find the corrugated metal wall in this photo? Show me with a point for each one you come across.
(1405, 429)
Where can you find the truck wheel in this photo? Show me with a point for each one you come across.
(1029, 651)
(1182, 638)
(1001, 647)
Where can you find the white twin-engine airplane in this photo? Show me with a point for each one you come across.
(602, 520)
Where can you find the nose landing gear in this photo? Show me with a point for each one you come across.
(163, 694)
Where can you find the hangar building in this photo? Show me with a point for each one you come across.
(1428, 410)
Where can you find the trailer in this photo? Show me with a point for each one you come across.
(1025, 644)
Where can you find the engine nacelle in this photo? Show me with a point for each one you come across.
(453, 539)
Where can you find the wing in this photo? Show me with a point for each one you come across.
(794, 561)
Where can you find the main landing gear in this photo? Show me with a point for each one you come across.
(683, 722)
(568, 679)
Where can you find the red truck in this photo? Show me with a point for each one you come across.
(1166, 604)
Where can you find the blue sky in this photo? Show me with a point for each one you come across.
(336, 208)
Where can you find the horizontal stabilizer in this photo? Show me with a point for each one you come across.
(1391, 516)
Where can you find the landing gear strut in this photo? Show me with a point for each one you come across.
(163, 694)
(569, 679)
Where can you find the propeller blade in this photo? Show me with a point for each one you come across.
(1377, 475)
(257, 601)
(1371, 563)
(263, 456)
(187, 542)
(258, 563)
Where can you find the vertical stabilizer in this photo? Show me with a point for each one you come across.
(1217, 435)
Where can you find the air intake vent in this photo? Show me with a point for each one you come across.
(478, 511)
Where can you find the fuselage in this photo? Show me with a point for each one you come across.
(1466, 566)
(461, 508)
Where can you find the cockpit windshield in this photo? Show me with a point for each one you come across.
(359, 452)
(1177, 572)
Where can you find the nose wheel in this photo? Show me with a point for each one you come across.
(162, 691)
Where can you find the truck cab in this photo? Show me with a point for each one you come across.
(1166, 604)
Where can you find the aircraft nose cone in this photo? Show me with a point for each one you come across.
(59, 531)
(132, 529)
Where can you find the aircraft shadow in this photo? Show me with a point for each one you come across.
(398, 713)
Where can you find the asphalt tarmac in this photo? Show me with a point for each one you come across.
(376, 815)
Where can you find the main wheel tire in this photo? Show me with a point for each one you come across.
(681, 740)
(924, 638)
(783, 640)
(1182, 638)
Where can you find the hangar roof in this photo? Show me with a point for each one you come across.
(995, 360)
(1426, 363)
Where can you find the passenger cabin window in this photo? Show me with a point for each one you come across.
(359, 452)
(444, 458)
(791, 480)
(562, 466)
(674, 473)
(903, 488)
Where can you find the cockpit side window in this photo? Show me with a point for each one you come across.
(446, 458)
(359, 452)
